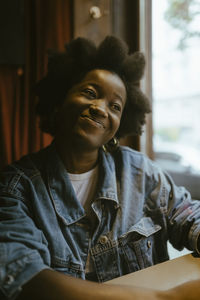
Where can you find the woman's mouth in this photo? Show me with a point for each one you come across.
(93, 121)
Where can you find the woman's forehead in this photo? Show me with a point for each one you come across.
(100, 74)
(106, 79)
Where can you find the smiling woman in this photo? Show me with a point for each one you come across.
(67, 69)
(86, 207)
(90, 115)
(89, 96)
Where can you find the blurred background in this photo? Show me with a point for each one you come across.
(176, 89)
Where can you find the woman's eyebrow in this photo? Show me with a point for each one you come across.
(94, 85)
(118, 96)
(98, 87)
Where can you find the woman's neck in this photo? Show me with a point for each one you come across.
(76, 159)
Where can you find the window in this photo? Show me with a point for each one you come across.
(170, 38)
(176, 89)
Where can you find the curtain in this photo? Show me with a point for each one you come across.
(128, 20)
(47, 25)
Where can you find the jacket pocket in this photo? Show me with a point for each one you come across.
(137, 245)
(67, 267)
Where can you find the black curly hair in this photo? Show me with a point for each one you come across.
(68, 68)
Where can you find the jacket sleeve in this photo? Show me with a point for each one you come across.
(23, 247)
(182, 213)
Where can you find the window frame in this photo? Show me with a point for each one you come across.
(146, 83)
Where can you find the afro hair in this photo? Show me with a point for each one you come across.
(68, 68)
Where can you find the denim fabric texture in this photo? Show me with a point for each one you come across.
(137, 209)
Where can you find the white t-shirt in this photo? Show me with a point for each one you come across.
(85, 186)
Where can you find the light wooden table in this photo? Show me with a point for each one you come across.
(165, 275)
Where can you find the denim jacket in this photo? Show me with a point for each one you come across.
(137, 209)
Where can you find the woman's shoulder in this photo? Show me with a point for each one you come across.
(17, 176)
(138, 159)
(27, 166)
(134, 155)
(131, 152)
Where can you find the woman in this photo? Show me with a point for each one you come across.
(85, 207)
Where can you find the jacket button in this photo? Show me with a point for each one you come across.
(9, 279)
(149, 244)
(103, 239)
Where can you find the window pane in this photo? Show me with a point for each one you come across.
(176, 92)
(176, 84)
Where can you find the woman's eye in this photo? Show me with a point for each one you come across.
(116, 107)
(91, 94)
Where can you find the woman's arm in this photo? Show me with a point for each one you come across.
(51, 285)
(187, 291)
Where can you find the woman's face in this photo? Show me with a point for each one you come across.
(91, 112)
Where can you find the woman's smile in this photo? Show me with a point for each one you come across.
(92, 121)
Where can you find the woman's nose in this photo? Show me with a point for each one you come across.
(98, 109)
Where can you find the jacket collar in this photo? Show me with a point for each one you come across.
(108, 183)
(62, 194)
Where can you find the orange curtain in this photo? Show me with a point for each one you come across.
(47, 25)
